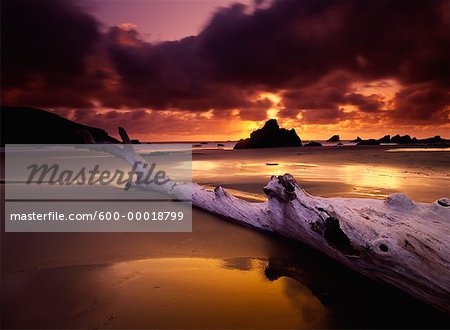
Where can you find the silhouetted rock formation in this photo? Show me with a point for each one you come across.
(270, 136)
(369, 142)
(35, 126)
(385, 139)
(405, 139)
(358, 139)
(135, 141)
(313, 144)
(334, 138)
(434, 140)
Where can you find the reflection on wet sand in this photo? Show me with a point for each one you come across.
(419, 150)
(367, 173)
(239, 292)
(365, 180)
(161, 293)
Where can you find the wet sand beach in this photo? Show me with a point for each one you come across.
(223, 275)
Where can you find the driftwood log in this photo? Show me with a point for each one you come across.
(396, 241)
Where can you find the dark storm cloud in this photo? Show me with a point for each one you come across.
(256, 111)
(422, 102)
(320, 102)
(328, 92)
(364, 103)
(312, 50)
(168, 75)
(303, 40)
(49, 38)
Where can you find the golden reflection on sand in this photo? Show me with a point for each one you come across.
(369, 178)
(175, 293)
(356, 174)
(419, 150)
(342, 179)
(208, 168)
(205, 166)
(196, 292)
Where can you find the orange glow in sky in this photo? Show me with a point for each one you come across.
(181, 125)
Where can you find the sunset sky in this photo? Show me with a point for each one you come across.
(217, 69)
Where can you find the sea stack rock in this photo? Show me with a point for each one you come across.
(405, 139)
(270, 136)
(436, 141)
(369, 142)
(334, 138)
(313, 144)
(385, 139)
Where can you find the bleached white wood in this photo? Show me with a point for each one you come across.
(396, 241)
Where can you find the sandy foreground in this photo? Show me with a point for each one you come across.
(222, 275)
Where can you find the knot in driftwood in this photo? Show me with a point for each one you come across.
(282, 187)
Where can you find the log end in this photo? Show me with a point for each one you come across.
(282, 187)
(443, 202)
